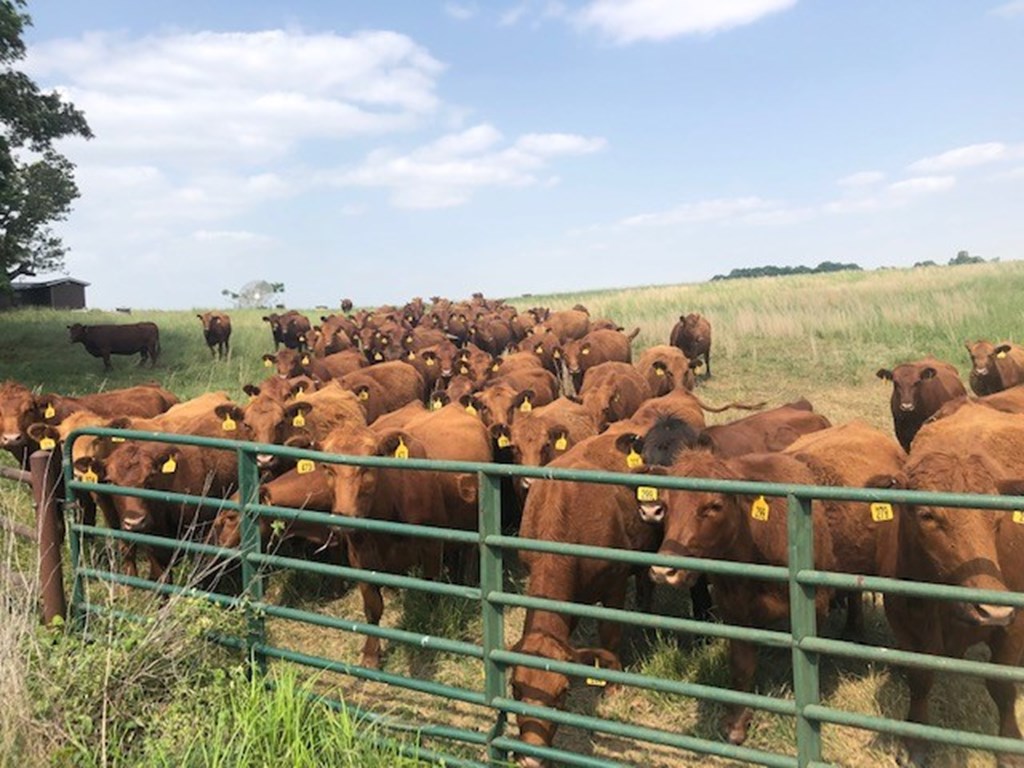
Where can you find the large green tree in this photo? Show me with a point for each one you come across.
(37, 183)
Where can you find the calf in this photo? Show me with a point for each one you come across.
(600, 346)
(613, 391)
(106, 340)
(666, 368)
(919, 389)
(384, 387)
(16, 405)
(216, 332)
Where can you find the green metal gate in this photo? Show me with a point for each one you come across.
(803, 641)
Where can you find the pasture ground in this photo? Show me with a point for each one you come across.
(775, 339)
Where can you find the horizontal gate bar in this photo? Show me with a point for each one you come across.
(154, 586)
(426, 642)
(373, 675)
(696, 690)
(912, 659)
(370, 577)
(164, 542)
(559, 756)
(652, 735)
(934, 733)
(926, 590)
(767, 637)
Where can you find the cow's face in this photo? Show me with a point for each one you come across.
(535, 442)
(982, 356)
(261, 423)
(603, 403)
(227, 528)
(144, 465)
(76, 332)
(958, 546)
(573, 355)
(548, 689)
(17, 412)
(696, 523)
(354, 487)
(906, 384)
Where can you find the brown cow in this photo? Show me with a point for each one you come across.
(1009, 400)
(765, 432)
(501, 399)
(546, 346)
(575, 513)
(216, 332)
(971, 451)
(289, 329)
(919, 389)
(692, 334)
(568, 324)
(291, 363)
(666, 368)
(298, 422)
(384, 387)
(613, 391)
(106, 340)
(16, 400)
(544, 433)
(684, 405)
(995, 367)
(145, 400)
(385, 494)
(601, 346)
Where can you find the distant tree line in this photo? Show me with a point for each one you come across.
(773, 271)
(962, 257)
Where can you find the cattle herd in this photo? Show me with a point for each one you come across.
(478, 381)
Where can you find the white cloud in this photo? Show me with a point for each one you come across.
(246, 96)
(231, 236)
(447, 172)
(1014, 8)
(629, 21)
(511, 16)
(923, 185)
(962, 157)
(705, 210)
(461, 11)
(861, 179)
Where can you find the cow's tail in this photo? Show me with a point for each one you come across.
(740, 406)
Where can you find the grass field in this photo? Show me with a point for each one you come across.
(775, 339)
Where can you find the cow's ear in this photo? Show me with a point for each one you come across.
(695, 364)
(439, 399)
(200, 317)
(897, 481)
(1011, 487)
(705, 442)
(229, 411)
(296, 409)
(251, 390)
(928, 373)
(600, 658)
(85, 465)
(523, 402)
(362, 392)
(884, 373)
(558, 436)
(166, 462)
(630, 444)
(399, 445)
(269, 358)
(1002, 349)
(39, 431)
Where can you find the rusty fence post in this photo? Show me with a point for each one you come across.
(47, 484)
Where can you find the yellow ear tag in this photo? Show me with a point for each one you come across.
(557, 355)
(539, 349)
(90, 477)
(228, 425)
(436, 405)
(364, 394)
(503, 441)
(47, 444)
(585, 351)
(634, 459)
(1018, 517)
(402, 451)
(299, 420)
(470, 409)
(305, 359)
(170, 466)
(1000, 355)
(305, 466)
(50, 411)
(411, 356)
(495, 367)
(646, 493)
(881, 512)
(378, 356)
(760, 509)
(267, 363)
(464, 370)
(299, 393)
(526, 407)
(429, 361)
(117, 439)
(593, 681)
(659, 371)
(561, 443)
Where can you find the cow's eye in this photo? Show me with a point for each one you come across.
(927, 515)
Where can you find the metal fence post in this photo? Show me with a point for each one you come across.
(252, 579)
(806, 688)
(491, 580)
(46, 482)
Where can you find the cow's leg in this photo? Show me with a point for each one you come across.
(742, 666)
(920, 682)
(700, 600)
(610, 632)
(373, 609)
(106, 360)
(854, 626)
(707, 363)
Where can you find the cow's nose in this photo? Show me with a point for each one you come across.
(652, 512)
(525, 761)
(906, 407)
(994, 615)
(526, 482)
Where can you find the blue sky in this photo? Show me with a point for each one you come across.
(389, 149)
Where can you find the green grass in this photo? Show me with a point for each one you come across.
(774, 339)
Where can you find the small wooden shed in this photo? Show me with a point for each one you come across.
(59, 293)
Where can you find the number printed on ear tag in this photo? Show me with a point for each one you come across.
(47, 444)
(634, 459)
(305, 466)
(1018, 517)
(882, 512)
(646, 493)
(760, 509)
